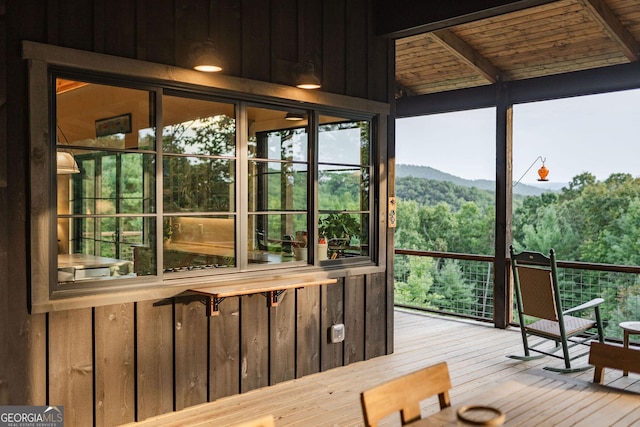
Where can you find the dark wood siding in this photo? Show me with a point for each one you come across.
(117, 363)
(114, 364)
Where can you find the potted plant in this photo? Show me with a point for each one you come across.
(167, 232)
(338, 229)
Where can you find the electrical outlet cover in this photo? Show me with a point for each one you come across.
(337, 333)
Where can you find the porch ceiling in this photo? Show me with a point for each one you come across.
(558, 37)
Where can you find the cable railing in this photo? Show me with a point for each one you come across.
(461, 285)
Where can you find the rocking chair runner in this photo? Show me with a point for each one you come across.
(537, 296)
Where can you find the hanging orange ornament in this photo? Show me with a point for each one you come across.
(542, 173)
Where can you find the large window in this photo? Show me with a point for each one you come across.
(105, 180)
(344, 187)
(157, 183)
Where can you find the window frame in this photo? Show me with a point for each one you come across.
(42, 59)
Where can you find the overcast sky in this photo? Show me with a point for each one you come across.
(597, 134)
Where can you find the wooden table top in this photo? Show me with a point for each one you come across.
(633, 327)
(547, 401)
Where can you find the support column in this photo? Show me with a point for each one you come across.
(502, 295)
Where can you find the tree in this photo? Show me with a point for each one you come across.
(548, 231)
(451, 291)
(418, 282)
(407, 234)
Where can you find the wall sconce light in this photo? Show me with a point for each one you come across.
(295, 117)
(543, 172)
(66, 163)
(204, 57)
(306, 76)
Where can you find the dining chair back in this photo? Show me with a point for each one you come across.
(405, 393)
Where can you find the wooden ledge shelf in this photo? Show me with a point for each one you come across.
(271, 289)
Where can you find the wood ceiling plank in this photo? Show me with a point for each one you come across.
(546, 15)
(558, 37)
(612, 25)
(569, 41)
(468, 55)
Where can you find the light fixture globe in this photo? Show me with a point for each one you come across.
(66, 164)
(204, 57)
(306, 77)
(294, 117)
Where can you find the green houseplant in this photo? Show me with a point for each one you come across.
(339, 228)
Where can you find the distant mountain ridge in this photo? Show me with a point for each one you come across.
(428, 172)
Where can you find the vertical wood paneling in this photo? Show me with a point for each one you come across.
(75, 24)
(380, 63)
(120, 13)
(256, 55)
(3, 98)
(224, 375)
(284, 30)
(114, 364)
(332, 355)
(308, 331)
(191, 26)
(227, 36)
(354, 319)
(181, 358)
(375, 316)
(155, 31)
(4, 260)
(284, 41)
(357, 70)
(154, 344)
(71, 365)
(52, 21)
(191, 341)
(390, 181)
(310, 18)
(282, 324)
(254, 362)
(333, 46)
(26, 334)
(5, 334)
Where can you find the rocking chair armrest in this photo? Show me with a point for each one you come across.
(593, 303)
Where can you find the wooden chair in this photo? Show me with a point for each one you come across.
(405, 393)
(610, 356)
(538, 297)
(265, 421)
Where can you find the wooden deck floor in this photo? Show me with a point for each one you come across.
(474, 351)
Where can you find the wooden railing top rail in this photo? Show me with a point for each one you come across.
(575, 265)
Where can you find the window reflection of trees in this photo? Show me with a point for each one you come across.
(198, 166)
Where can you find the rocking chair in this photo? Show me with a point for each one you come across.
(538, 297)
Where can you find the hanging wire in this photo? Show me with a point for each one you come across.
(525, 172)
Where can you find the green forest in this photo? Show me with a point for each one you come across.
(587, 220)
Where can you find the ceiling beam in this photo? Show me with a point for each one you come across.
(468, 55)
(393, 21)
(578, 83)
(402, 90)
(614, 28)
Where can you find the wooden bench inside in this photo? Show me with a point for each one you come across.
(271, 289)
